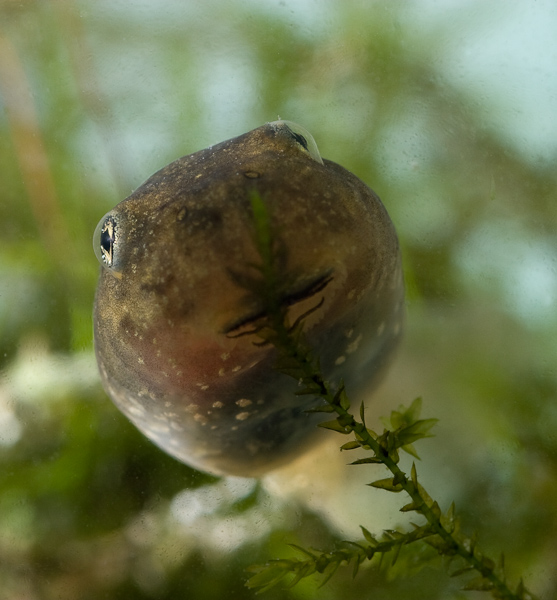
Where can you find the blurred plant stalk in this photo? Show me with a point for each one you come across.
(31, 154)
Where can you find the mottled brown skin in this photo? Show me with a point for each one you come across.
(169, 310)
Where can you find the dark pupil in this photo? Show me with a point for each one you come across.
(106, 240)
(301, 140)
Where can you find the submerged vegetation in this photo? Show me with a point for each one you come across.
(447, 111)
(441, 530)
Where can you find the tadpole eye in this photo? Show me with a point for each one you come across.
(105, 243)
(302, 136)
(108, 238)
(300, 139)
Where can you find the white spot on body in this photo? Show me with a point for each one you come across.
(381, 328)
(225, 355)
(242, 416)
(158, 428)
(354, 345)
(340, 360)
(218, 404)
(243, 402)
(136, 411)
(200, 418)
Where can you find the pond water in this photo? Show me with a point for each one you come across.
(446, 110)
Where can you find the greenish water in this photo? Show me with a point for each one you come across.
(447, 112)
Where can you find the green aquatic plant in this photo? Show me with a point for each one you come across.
(441, 530)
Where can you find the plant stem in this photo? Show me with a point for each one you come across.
(294, 352)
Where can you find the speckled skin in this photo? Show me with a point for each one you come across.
(168, 309)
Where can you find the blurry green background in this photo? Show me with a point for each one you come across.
(448, 110)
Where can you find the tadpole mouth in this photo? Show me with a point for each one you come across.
(252, 323)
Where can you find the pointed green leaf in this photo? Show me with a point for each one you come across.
(397, 550)
(303, 551)
(369, 537)
(409, 448)
(419, 533)
(329, 571)
(269, 576)
(355, 544)
(386, 484)
(297, 577)
(423, 425)
(436, 510)
(355, 568)
(410, 507)
(394, 456)
(393, 534)
(344, 400)
(334, 426)
(337, 397)
(461, 571)
(396, 420)
(415, 431)
(414, 475)
(414, 410)
(350, 445)
(448, 519)
(427, 498)
(371, 460)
